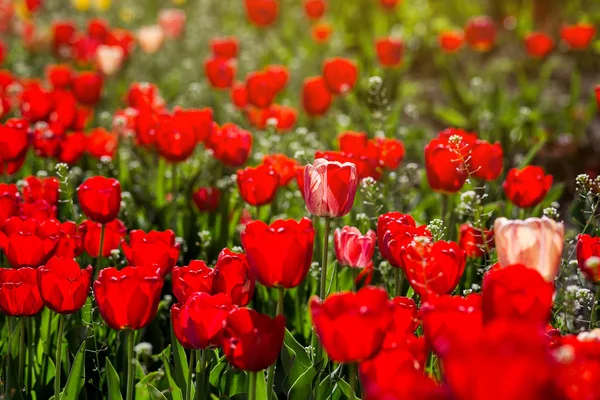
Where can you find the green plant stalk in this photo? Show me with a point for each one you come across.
(252, 386)
(130, 344)
(398, 281)
(200, 372)
(323, 282)
(30, 353)
(59, 338)
(189, 378)
(352, 380)
(8, 359)
(271, 372)
(593, 311)
(99, 258)
(21, 353)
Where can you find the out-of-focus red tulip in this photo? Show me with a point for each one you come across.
(578, 36)
(234, 277)
(536, 243)
(39, 210)
(3, 51)
(19, 292)
(389, 51)
(172, 22)
(14, 139)
(480, 33)
(100, 198)
(486, 160)
(316, 98)
(279, 74)
(258, 185)
(114, 232)
(451, 41)
(446, 170)
(59, 75)
(279, 254)
(9, 201)
(353, 142)
(383, 226)
(321, 32)
(35, 103)
(404, 321)
(262, 12)
(527, 187)
(329, 188)
(225, 47)
(352, 326)
(284, 116)
(175, 137)
(284, 166)
(47, 139)
(598, 96)
(98, 29)
(63, 285)
(340, 75)
(352, 248)
(151, 38)
(109, 59)
(239, 95)
(220, 72)
(390, 151)
(87, 87)
(389, 4)
(41, 189)
(588, 256)
(69, 234)
(122, 38)
(192, 278)
(200, 120)
(152, 248)
(538, 44)
(252, 341)
(260, 88)
(63, 35)
(230, 144)
(202, 317)
(516, 292)
(23, 245)
(72, 148)
(207, 199)
(474, 242)
(128, 298)
(433, 268)
(314, 9)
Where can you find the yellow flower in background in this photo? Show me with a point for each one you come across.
(178, 2)
(126, 14)
(21, 10)
(102, 5)
(81, 5)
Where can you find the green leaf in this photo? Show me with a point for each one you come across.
(450, 116)
(301, 389)
(176, 392)
(114, 384)
(179, 362)
(346, 389)
(261, 386)
(155, 394)
(76, 378)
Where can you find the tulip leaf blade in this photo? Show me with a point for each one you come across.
(179, 362)
(176, 392)
(76, 378)
(114, 384)
(155, 394)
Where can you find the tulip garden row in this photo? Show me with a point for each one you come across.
(206, 202)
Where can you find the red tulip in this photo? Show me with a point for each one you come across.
(59, 75)
(72, 148)
(598, 95)
(352, 326)
(258, 185)
(225, 47)
(141, 94)
(14, 139)
(220, 72)
(19, 292)
(176, 138)
(121, 38)
(451, 41)
(527, 187)
(382, 227)
(64, 286)
(486, 160)
(70, 236)
(260, 88)
(41, 189)
(446, 169)
(152, 248)
(321, 32)
(389, 4)
(480, 33)
(200, 119)
(538, 44)
(389, 51)
(284, 166)
(234, 277)
(47, 139)
(187, 280)
(404, 321)
(128, 298)
(316, 98)
(279, 254)
(9, 201)
(279, 75)
(472, 241)
(340, 75)
(390, 151)
(63, 35)
(262, 13)
(201, 319)
(252, 341)
(98, 29)
(172, 22)
(239, 95)
(366, 166)
(433, 268)
(207, 199)
(516, 292)
(87, 87)
(352, 248)
(314, 9)
(114, 232)
(35, 102)
(230, 144)
(23, 244)
(329, 188)
(284, 116)
(578, 36)
(588, 256)
(381, 379)
(100, 198)
(101, 143)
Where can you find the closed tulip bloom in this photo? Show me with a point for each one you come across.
(321, 32)
(588, 256)
(128, 298)
(24, 245)
(397, 238)
(260, 88)
(200, 120)
(390, 151)
(473, 241)
(340, 75)
(225, 47)
(152, 248)
(69, 234)
(60, 76)
(279, 254)
(352, 326)
(176, 138)
(516, 292)
(451, 41)
(207, 199)
(72, 148)
(433, 268)
(538, 44)
(233, 276)
(109, 59)
(536, 243)
(9, 201)
(151, 38)
(258, 185)
(314, 9)
(252, 341)
(527, 187)
(100, 198)
(177, 328)
(114, 232)
(220, 71)
(330, 187)
(316, 98)
(404, 321)
(385, 219)
(172, 22)
(283, 165)
(389, 51)
(201, 318)
(87, 87)
(578, 36)
(279, 75)
(195, 277)
(352, 248)
(63, 285)
(41, 189)
(15, 137)
(480, 33)
(239, 95)
(19, 292)
(262, 13)
(446, 170)
(230, 144)
(486, 160)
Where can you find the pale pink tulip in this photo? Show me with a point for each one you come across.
(172, 21)
(352, 248)
(151, 37)
(109, 58)
(330, 187)
(535, 242)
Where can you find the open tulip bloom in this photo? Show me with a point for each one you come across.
(324, 200)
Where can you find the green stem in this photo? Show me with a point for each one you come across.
(59, 340)
(251, 385)
(30, 353)
(594, 304)
(444, 208)
(200, 372)
(271, 372)
(189, 378)
(398, 280)
(21, 353)
(8, 359)
(352, 380)
(355, 272)
(100, 252)
(323, 282)
(130, 344)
